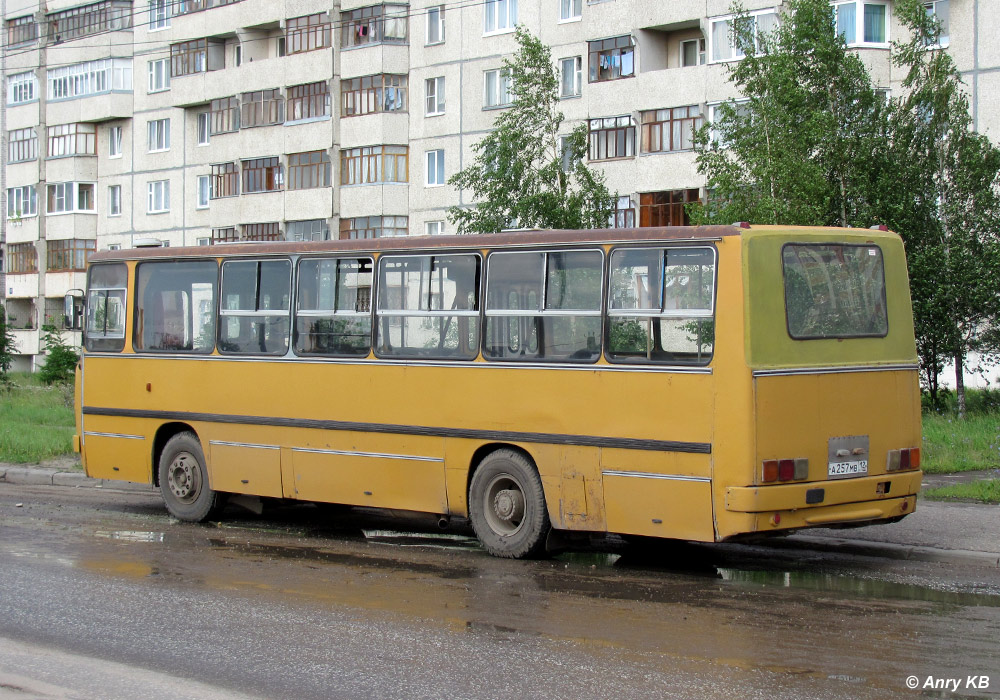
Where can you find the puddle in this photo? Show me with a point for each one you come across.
(866, 588)
(130, 535)
(410, 539)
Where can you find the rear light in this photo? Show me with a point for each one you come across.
(784, 470)
(906, 458)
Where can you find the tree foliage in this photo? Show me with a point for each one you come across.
(60, 359)
(517, 177)
(8, 347)
(817, 144)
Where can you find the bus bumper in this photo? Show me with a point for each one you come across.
(832, 502)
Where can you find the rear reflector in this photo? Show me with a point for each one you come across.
(786, 469)
(907, 458)
(914, 458)
(904, 459)
(801, 468)
(770, 470)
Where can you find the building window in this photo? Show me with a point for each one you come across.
(227, 234)
(373, 164)
(197, 56)
(115, 200)
(611, 137)
(723, 42)
(225, 116)
(159, 14)
(21, 202)
(940, 9)
(624, 214)
(435, 25)
(308, 101)
(22, 259)
(72, 140)
(308, 33)
(157, 196)
(570, 10)
(115, 142)
(374, 227)
(97, 18)
(159, 75)
(433, 228)
(22, 88)
(435, 168)
(270, 231)
(692, 52)
(861, 22)
(22, 145)
(70, 197)
(21, 30)
(204, 191)
(499, 16)
(204, 127)
(225, 180)
(373, 25)
(665, 130)
(496, 90)
(159, 135)
(207, 240)
(434, 100)
(308, 170)
(571, 77)
(68, 256)
(311, 230)
(666, 208)
(373, 93)
(90, 78)
(611, 59)
(261, 175)
(261, 108)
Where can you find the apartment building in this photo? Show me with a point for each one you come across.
(196, 122)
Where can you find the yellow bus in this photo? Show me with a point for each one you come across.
(697, 383)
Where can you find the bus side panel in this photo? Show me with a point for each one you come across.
(245, 468)
(659, 507)
(117, 449)
(370, 469)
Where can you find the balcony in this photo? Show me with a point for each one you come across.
(26, 341)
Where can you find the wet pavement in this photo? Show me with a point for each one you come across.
(100, 592)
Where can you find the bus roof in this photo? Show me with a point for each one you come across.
(475, 241)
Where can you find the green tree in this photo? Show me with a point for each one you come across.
(517, 176)
(954, 173)
(7, 349)
(806, 145)
(60, 359)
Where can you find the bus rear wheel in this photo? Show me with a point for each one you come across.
(184, 479)
(507, 506)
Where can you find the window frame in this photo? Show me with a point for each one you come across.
(68, 255)
(22, 194)
(140, 288)
(158, 68)
(307, 95)
(257, 312)
(603, 134)
(614, 49)
(22, 145)
(207, 189)
(22, 88)
(158, 135)
(577, 77)
(735, 53)
(435, 17)
(434, 103)
(502, 89)
(262, 175)
(660, 130)
(203, 129)
(366, 161)
(659, 313)
(71, 193)
(570, 11)
(114, 200)
(505, 24)
(437, 177)
(308, 33)
(115, 135)
(157, 190)
(159, 14)
(334, 313)
(701, 52)
(20, 259)
(859, 22)
(302, 170)
(370, 94)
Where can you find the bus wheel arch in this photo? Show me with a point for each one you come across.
(160, 440)
(507, 505)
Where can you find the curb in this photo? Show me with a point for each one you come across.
(35, 476)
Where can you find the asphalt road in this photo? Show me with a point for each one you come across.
(102, 595)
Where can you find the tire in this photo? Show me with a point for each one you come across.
(507, 506)
(184, 480)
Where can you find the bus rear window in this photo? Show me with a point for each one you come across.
(834, 291)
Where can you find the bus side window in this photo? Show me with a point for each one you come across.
(104, 330)
(333, 314)
(428, 306)
(661, 306)
(544, 306)
(254, 308)
(175, 306)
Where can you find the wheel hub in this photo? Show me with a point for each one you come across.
(181, 478)
(509, 505)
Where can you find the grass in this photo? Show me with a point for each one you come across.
(984, 491)
(36, 421)
(958, 445)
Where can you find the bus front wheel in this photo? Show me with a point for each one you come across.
(507, 506)
(184, 479)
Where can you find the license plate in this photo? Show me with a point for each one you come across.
(841, 469)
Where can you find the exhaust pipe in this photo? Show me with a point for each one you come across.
(443, 522)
